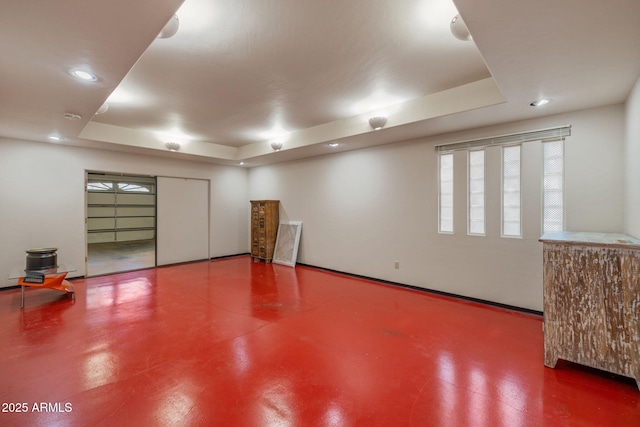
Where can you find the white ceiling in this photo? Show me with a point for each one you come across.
(240, 74)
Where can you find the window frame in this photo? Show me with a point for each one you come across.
(503, 193)
(484, 192)
(544, 187)
(440, 156)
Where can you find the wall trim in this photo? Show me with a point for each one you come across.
(433, 291)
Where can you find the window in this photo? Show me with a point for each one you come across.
(481, 182)
(131, 187)
(553, 186)
(122, 187)
(99, 186)
(511, 199)
(476, 192)
(445, 196)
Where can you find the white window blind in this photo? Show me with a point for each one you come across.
(445, 196)
(550, 134)
(476, 192)
(511, 193)
(553, 186)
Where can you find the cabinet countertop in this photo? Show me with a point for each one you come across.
(591, 239)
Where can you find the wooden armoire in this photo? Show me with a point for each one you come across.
(264, 228)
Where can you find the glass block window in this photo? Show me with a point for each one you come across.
(445, 196)
(511, 192)
(476, 192)
(553, 186)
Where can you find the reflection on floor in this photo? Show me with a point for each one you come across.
(105, 258)
(236, 343)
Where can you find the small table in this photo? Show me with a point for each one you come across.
(53, 279)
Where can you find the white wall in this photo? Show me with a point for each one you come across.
(42, 199)
(632, 167)
(364, 210)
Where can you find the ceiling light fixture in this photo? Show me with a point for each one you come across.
(55, 137)
(539, 103)
(84, 75)
(377, 122)
(276, 146)
(333, 144)
(241, 163)
(173, 146)
(72, 116)
(459, 29)
(103, 108)
(171, 28)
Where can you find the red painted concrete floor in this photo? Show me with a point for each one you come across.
(237, 343)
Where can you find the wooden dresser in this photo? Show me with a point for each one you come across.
(592, 301)
(264, 228)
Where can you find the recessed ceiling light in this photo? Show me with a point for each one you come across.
(55, 137)
(333, 144)
(84, 75)
(241, 163)
(539, 103)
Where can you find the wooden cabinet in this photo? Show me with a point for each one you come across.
(592, 301)
(264, 228)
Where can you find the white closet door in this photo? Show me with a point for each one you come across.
(183, 220)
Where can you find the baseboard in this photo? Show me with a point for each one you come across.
(230, 256)
(433, 291)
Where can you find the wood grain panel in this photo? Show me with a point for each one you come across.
(591, 307)
(264, 228)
